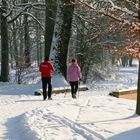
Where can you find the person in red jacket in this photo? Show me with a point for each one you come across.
(46, 69)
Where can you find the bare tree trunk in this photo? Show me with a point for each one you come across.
(49, 24)
(56, 35)
(4, 44)
(21, 41)
(125, 60)
(130, 61)
(67, 16)
(138, 93)
(38, 45)
(15, 47)
(27, 40)
(138, 86)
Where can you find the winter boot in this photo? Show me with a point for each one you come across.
(74, 96)
(44, 96)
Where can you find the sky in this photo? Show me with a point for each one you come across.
(94, 115)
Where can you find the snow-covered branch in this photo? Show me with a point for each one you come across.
(22, 7)
(123, 9)
(31, 15)
(108, 12)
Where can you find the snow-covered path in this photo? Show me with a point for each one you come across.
(93, 116)
(12, 109)
(87, 118)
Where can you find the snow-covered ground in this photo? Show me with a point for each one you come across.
(94, 115)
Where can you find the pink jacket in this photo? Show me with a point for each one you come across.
(73, 72)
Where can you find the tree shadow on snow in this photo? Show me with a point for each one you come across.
(132, 134)
(29, 100)
(17, 129)
(112, 120)
(14, 131)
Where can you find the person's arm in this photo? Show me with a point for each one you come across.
(40, 68)
(52, 68)
(68, 74)
(79, 72)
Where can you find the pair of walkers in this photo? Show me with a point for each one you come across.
(73, 76)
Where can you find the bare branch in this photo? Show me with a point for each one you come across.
(29, 14)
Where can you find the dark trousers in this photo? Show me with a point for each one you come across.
(74, 87)
(46, 83)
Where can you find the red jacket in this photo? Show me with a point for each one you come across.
(46, 69)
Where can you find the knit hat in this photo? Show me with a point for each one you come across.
(73, 60)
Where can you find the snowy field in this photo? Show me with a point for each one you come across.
(94, 115)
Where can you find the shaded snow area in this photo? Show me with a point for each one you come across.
(94, 115)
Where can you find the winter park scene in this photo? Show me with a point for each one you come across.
(69, 70)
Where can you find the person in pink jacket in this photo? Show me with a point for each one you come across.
(73, 76)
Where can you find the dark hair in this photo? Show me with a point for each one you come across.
(46, 58)
(73, 60)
